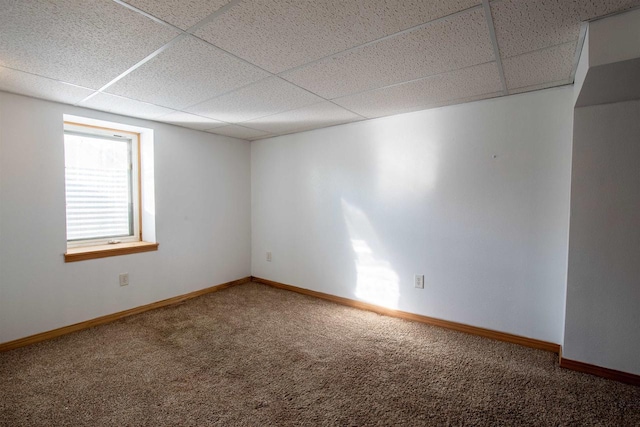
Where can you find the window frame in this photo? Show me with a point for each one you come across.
(135, 188)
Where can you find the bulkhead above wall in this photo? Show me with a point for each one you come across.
(613, 58)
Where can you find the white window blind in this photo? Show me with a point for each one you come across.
(99, 193)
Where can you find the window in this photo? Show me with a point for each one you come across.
(101, 184)
(103, 192)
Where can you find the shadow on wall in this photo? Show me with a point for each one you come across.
(377, 282)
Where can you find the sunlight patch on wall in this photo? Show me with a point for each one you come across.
(377, 282)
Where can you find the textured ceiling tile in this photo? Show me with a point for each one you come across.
(281, 34)
(124, 106)
(542, 66)
(310, 117)
(527, 25)
(181, 13)
(188, 72)
(40, 87)
(191, 121)
(83, 42)
(470, 82)
(268, 96)
(446, 45)
(238, 132)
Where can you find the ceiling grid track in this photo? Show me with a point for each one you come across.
(412, 80)
(45, 77)
(494, 42)
(224, 9)
(146, 14)
(136, 66)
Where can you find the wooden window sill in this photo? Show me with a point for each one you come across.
(103, 251)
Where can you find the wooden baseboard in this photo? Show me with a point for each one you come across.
(10, 345)
(599, 371)
(460, 327)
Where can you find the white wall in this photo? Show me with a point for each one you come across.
(603, 290)
(202, 186)
(352, 210)
(357, 210)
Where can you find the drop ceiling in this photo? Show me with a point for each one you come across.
(252, 69)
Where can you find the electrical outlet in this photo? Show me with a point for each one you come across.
(124, 279)
(418, 281)
(268, 256)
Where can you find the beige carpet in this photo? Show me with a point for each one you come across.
(256, 356)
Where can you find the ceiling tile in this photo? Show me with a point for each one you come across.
(181, 13)
(40, 87)
(83, 42)
(238, 132)
(188, 72)
(469, 82)
(527, 25)
(523, 25)
(268, 96)
(280, 34)
(309, 117)
(446, 45)
(126, 107)
(191, 121)
(542, 66)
